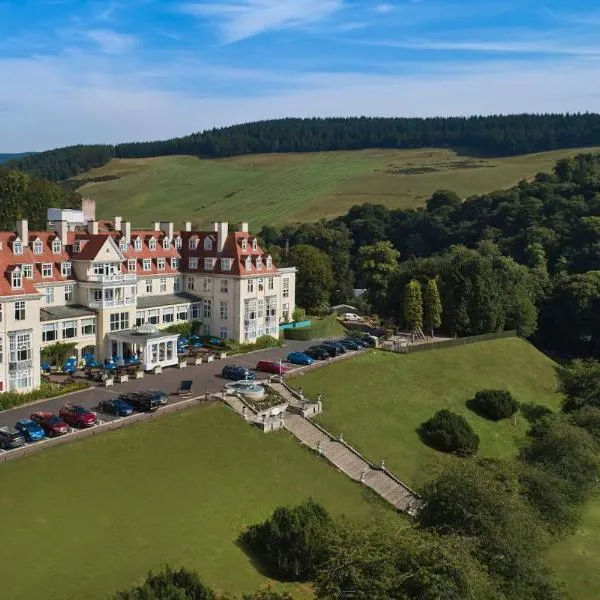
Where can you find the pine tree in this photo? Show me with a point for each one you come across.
(432, 306)
(413, 306)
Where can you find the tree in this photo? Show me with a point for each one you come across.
(294, 542)
(494, 404)
(315, 276)
(442, 198)
(580, 384)
(378, 263)
(413, 306)
(448, 432)
(432, 306)
(588, 418)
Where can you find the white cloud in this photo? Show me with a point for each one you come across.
(111, 42)
(241, 19)
(385, 8)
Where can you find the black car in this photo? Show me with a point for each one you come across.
(140, 401)
(330, 349)
(237, 373)
(350, 344)
(10, 438)
(339, 346)
(317, 353)
(160, 395)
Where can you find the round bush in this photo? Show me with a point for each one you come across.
(494, 404)
(448, 432)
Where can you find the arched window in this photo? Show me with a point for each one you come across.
(269, 262)
(248, 263)
(208, 243)
(56, 246)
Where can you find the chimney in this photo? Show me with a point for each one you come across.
(92, 227)
(222, 230)
(62, 230)
(126, 230)
(117, 223)
(156, 226)
(243, 227)
(187, 225)
(215, 226)
(167, 229)
(88, 208)
(23, 230)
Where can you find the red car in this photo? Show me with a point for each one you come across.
(271, 366)
(77, 416)
(52, 424)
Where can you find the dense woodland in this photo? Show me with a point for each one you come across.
(526, 258)
(487, 136)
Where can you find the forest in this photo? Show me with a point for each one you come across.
(491, 136)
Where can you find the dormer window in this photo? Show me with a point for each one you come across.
(17, 248)
(259, 263)
(248, 264)
(166, 244)
(244, 245)
(160, 264)
(138, 244)
(226, 264)
(123, 245)
(17, 279)
(178, 243)
(38, 247)
(207, 243)
(65, 269)
(47, 270)
(147, 264)
(56, 246)
(152, 243)
(254, 244)
(209, 264)
(269, 262)
(193, 243)
(76, 247)
(131, 265)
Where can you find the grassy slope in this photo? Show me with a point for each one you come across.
(85, 519)
(286, 188)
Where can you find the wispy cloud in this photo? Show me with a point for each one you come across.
(241, 19)
(385, 8)
(111, 42)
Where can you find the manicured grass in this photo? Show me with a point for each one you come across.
(85, 519)
(277, 189)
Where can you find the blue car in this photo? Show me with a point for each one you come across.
(115, 406)
(299, 358)
(31, 431)
(237, 373)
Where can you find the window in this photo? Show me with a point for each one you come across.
(56, 246)
(104, 269)
(76, 247)
(166, 243)
(49, 298)
(176, 284)
(20, 347)
(190, 284)
(160, 264)
(139, 318)
(223, 310)
(286, 288)
(65, 269)
(193, 243)
(271, 285)
(207, 309)
(224, 286)
(148, 286)
(17, 248)
(69, 330)
(168, 315)
(261, 285)
(69, 291)
(162, 287)
(20, 380)
(226, 264)
(182, 313)
(195, 311)
(1, 352)
(88, 327)
(206, 284)
(137, 244)
(174, 263)
(123, 245)
(97, 295)
(119, 321)
(131, 264)
(208, 243)
(261, 309)
(147, 264)
(178, 243)
(27, 271)
(254, 244)
(259, 263)
(49, 332)
(248, 264)
(1, 315)
(153, 316)
(244, 245)
(47, 270)
(250, 286)
(152, 244)
(38, 247)
(16, 279)
(206, 329)
(209, 263)
(269, 262)
(193, 263)
(20, 310)
(223, 333)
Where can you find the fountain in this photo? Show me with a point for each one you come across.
(249, 389)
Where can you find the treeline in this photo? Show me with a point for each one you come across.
(526, 258)
(490, 136)
(24, 196)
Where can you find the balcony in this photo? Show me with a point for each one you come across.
(20, 365)
(113, 278)
(114, 303)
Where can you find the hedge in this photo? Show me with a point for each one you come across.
(46, 390)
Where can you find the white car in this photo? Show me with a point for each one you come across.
(350, 317)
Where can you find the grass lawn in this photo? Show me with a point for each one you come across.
(88, 518)
(277, 189)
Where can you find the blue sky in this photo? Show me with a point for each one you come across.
(83, 71)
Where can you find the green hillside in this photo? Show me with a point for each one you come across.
(277, 189)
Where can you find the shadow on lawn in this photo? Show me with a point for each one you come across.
(260, 565)
(534, 412)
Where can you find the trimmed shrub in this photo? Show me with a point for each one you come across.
(448, 432)
(494, 404)
(293, 543)
(46, 390)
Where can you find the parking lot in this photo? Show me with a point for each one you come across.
(205, 377)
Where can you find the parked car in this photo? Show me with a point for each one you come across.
(77, 416)
(237, 373)
(331, 350)
(31, 431)
(52, 424)
(300, 358)
(141, 402)
(115, 406)
(271, 366)
(161, 395)
(350, 317)
(339, 347)
(317, 353)
(10, 438)
(350, 344)
(358, 341)
(371, 340)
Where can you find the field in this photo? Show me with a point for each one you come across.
(278, 189)
(379, 400)
(85, 519)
